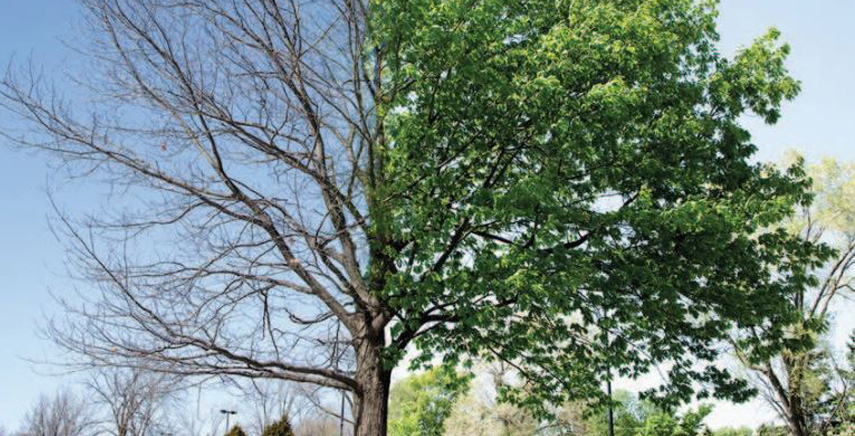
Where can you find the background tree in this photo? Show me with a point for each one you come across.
(269, 400)
(630, 415)
(636, 417)
(134, 400)
(804, 383)
(664, 423)
(193, 422)
(63, 414)
(321, 425)
(479, 411)
(633, 417)
(844, 399)
(306, 189)
(420, 403)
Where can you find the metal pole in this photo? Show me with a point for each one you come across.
(609, 386)
(611, 408)
(341, 423)
(228, 414)
(336, 359)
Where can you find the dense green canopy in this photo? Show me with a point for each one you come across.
(571, 189)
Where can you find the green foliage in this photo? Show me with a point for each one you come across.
(846, 417)
(634, 417)
(843, 429)
(571, 189)
(668, 424)
(629, 415)
(769, 430)
(811, 394)
(236, 431)
(420, 403)
(477, 413)
(732, 431)
(279, 428)
(834, 206)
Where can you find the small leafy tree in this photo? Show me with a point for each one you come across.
(630, 414)
(421, 403)
(665, 423)
(636, 417)
(279, 428)
(236, 431)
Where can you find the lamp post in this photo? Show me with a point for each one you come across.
(611, 407)
(336, 359)
(228, 414)
(611, 414)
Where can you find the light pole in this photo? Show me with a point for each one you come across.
(228, 414)
(611, 416)
(336, 359)
(611, 408)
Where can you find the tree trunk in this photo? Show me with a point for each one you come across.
(796, 427)
(373, 399)
(795, 367)
(796, 419)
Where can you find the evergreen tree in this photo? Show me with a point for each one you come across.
(279, 428)
(236, 431)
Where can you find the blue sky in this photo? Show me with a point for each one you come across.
(820, 122)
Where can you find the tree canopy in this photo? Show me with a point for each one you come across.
(587, 200)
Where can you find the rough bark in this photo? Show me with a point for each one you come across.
(374, 380)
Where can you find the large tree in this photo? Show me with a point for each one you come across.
(310, 187)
